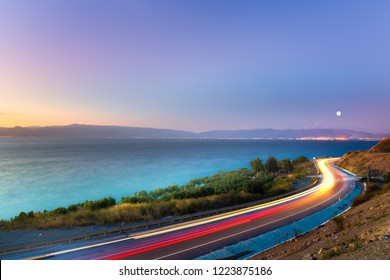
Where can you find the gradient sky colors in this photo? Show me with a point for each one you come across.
(196, 65)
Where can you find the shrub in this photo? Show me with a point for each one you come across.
(21, 217)
(386, 177)
(372, 190)
(361, 199)
(73, 207)
(339, 221)
(60, 211)
(330, 254)
(99, 204)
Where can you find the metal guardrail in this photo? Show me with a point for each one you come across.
(143, 225)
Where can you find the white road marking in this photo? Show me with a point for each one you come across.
(251, 229)
(327, 182)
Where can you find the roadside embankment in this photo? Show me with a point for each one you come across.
(363, 232)
(378, 158)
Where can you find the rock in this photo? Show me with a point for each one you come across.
(309, 256)
(363, 237)
(336, 249)
(372, 239)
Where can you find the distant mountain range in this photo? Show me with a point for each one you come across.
(95, 131)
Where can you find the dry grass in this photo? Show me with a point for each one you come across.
(107, 211)
(357, 234)
(357, 162)
(128, 212)
(382, 147)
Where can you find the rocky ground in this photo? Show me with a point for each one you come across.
(378, 158)
(357, 163)
(363, 232)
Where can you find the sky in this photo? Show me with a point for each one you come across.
(196, 65)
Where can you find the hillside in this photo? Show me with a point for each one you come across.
(360, 233)
(96, 131)
(378, 157)
(382, 147)
(363, 232)
(305, 134)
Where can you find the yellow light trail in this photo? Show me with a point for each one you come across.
(326, 184)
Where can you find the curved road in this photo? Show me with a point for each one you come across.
(196, 238)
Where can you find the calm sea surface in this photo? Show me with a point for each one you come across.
(38, 174)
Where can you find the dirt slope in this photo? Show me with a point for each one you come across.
(378, 157)
(360, 233)
(382, 147)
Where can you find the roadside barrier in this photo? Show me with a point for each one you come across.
(133, 228)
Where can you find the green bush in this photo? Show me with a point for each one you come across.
(99, 204)
(372, 191)
(59, 211)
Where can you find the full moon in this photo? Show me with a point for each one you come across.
(338, 113)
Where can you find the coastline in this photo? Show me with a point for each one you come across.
(62, 172)
(10, 241)
(222, 189)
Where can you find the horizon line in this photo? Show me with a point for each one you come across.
(199, 132)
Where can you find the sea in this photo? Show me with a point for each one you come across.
(39, 174)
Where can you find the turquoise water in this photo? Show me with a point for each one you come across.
(38, 174)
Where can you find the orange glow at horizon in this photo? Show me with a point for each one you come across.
(31, 119)
(53, 118)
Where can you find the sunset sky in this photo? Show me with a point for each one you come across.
(196, 65)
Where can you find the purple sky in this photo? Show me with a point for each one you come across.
(196, 65)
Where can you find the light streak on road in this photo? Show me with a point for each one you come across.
(281, 209)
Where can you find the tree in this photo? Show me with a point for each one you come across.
(60, 211)
(285, 165)
(257, 165)
(142, 196)
(271, 165)
(259, 185)
(22, 217)
(300, 160)
(97, 204)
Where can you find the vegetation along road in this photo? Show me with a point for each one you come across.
(195, 238)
